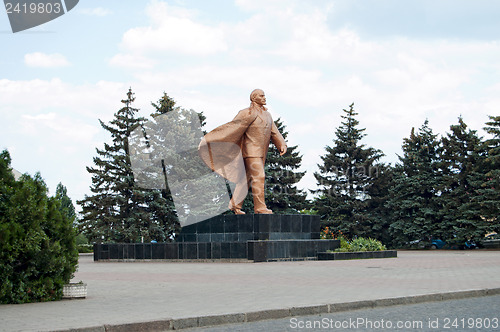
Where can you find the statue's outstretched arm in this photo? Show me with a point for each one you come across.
(278, 140)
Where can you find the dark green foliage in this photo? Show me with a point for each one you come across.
(67, 207)
(363, 244)
(490, 190)
(37, 241)
(462, 163)
(350, 183)
(82, 244)
(414, 198)
(282, 176)
(445, 189)
(118, 210)
(377, 213)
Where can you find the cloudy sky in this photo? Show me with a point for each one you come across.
(400, 62)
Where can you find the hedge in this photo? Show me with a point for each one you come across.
(38, 254)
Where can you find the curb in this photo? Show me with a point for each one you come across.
(214, 320)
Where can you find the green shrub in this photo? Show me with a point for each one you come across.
(38, 254)
(359, 244)
(344, 244)
(362, 244)
(85, 248)
(81, 239)
(83, 245)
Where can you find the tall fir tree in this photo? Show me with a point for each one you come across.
(462, 160)
(490, 191)
(377, 215)
(282, 175)
(348, 171)
(119, 211)
(67, 207)
(414, 200)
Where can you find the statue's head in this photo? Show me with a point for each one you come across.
(258, 97)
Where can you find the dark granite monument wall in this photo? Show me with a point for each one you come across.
(260, 237)
(265, 251)
(242, 228)
(172, 250)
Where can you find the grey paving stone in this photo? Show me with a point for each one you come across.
(122, 293)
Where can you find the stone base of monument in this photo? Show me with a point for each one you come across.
(257, 237)
(269, 250)
(323, 256)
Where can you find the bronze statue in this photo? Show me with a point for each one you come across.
(247, 137)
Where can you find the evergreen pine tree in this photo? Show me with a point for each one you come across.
(490, 192)
(462, 159)
(117, 211)
(282, 175)
(414, 196)
(38, 253)
(377, 215)
(67, 207)
(348, 171)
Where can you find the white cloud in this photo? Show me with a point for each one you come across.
(98, 11)
(43, 60)
(266, 5)
(174, 30)
(310, 39)
(38, 96)
(52, 126)
(132, 61)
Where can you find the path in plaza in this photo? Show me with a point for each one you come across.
(134, 292)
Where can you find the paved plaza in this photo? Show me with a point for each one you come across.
(164, 295)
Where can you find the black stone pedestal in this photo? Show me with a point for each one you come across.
(242, 228)
(257, 237)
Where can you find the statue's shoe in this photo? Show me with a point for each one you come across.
(265, 211)
(237, 211)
